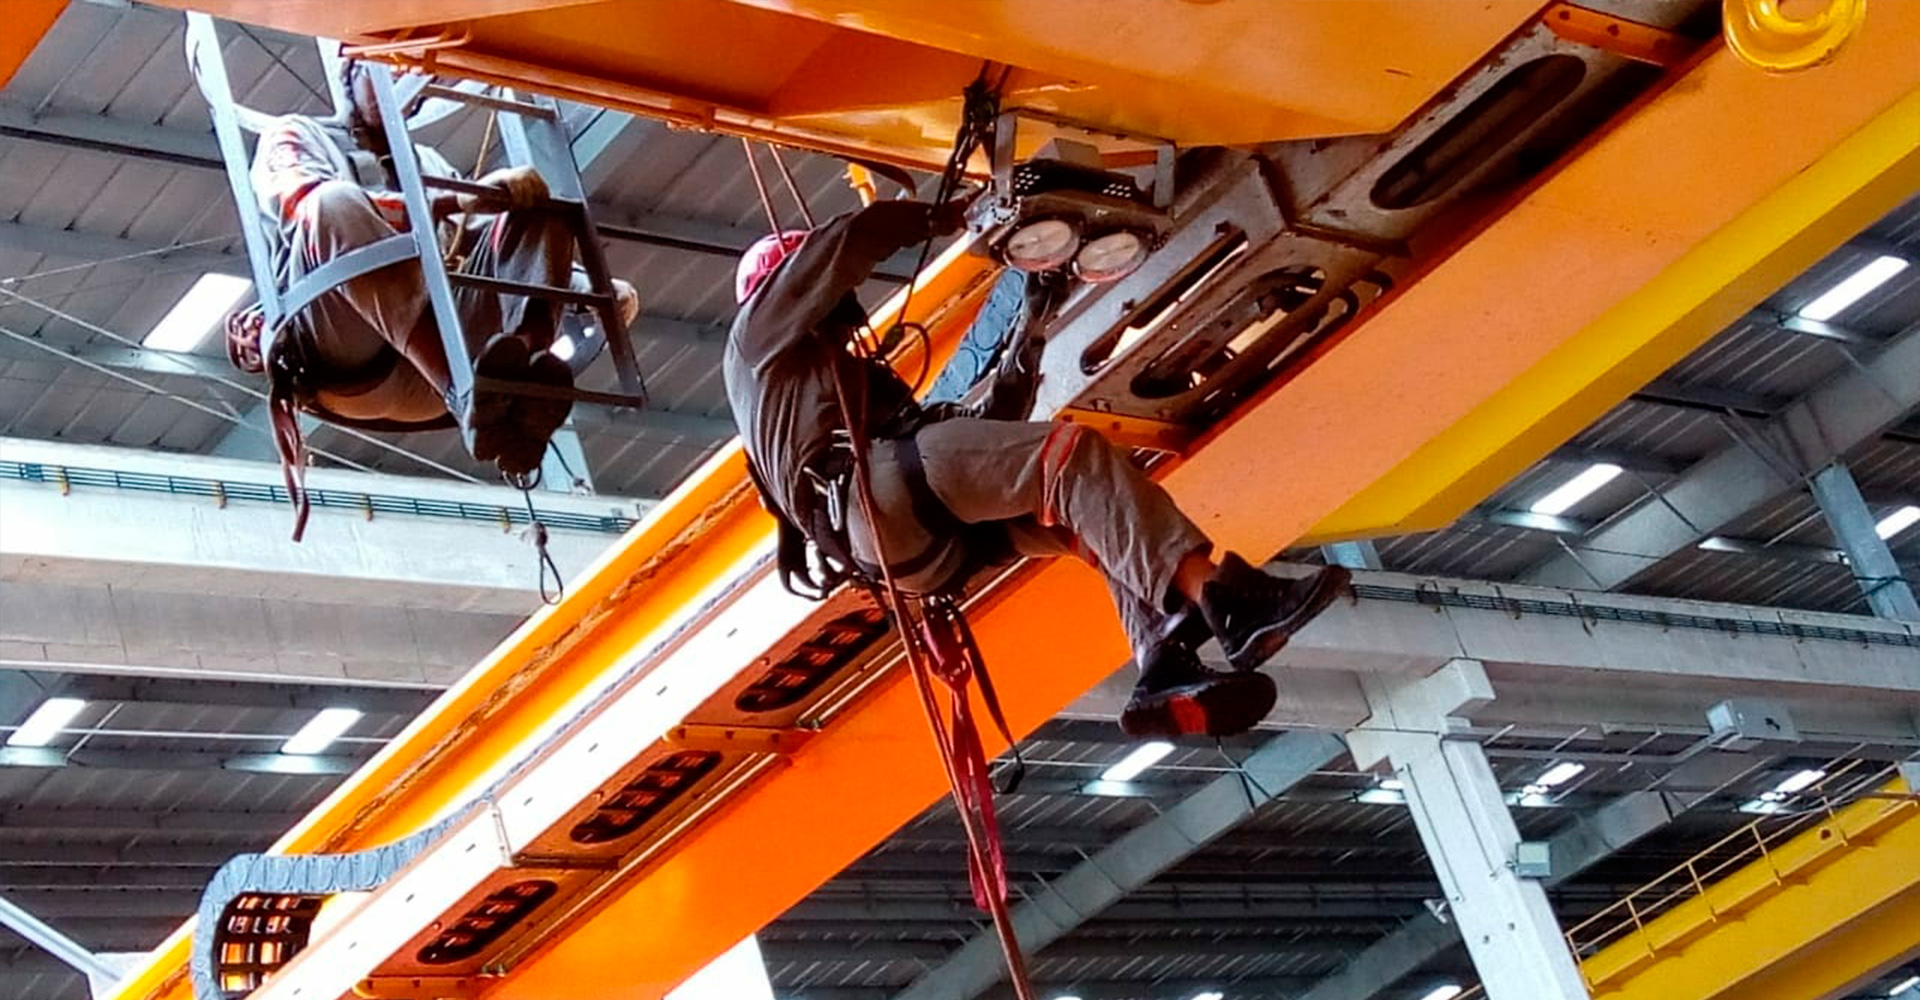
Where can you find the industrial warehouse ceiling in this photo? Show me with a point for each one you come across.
(105, 154)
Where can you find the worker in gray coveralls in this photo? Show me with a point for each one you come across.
(955, 495)
(368, 353)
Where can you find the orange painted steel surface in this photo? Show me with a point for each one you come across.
(1579, 295)
(882, 79)
(27, 21)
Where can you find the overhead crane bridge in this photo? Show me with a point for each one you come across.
(1408, 247)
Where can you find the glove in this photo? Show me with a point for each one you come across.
(519, 188)
(948, 217)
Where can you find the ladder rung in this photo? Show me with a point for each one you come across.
(554, 392)
(487, 190)
(508, 105)
(528, 288)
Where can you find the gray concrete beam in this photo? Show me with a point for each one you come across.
(178, 524)
(1854, 407)
(1591, 659)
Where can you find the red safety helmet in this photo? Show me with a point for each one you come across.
(761, 258)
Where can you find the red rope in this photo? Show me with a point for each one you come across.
(940, 649)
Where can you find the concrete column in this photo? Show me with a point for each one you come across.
(1868, 554)
(1470, 838)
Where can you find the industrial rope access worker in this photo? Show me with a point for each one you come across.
(367, 353)
(955, 495)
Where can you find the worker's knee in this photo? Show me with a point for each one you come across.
(336, 201)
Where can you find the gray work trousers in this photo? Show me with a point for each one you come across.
(1057, 489)
(348, 327)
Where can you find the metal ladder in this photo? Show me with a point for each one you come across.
(532, 134)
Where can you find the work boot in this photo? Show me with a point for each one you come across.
(1177, 696)
(1253, 614)
(485, 415)
(535, 418)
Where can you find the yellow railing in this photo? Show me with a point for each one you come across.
(1756, 845)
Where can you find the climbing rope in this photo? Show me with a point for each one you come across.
(933, 630)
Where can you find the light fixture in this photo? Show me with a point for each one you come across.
(327, 725)
(1794, 784)
(1445, 991)
(197, 313)
(1042, 245)
(1576, 489)
(1556, 776)
(1068, 997)
(1210, 995)
(1143, 757)
(46, 722)
(1853, 287)
(1906, 984)
(562, 348)
(1111, 257)
(1898, 521)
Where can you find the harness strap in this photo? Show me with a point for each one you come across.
(289, 443)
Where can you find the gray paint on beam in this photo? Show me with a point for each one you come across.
(1850, 409)
(1131, 862)
(162, 760)
(1869, 558)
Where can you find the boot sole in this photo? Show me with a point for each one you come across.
(535, 419)
(1266, 642)
(490, 423)
(1226, 706)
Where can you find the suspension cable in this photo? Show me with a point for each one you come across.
(760, 185)
(792, 188)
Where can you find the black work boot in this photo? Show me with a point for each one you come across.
(533, 419)
(486, 415)
(1253, 614)
(1177, 696)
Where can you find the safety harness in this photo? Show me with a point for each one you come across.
(816, 556)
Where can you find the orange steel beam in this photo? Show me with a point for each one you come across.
(871, 770)
(1664, 231)
(27, 22)
(882, 80)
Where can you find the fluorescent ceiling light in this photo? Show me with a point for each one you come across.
(1143, 757)
(1906, 984)
(1560, 774)
(1066, 998)
(1898, 521)
(1576, 489)
(1210, 995)
(197, 313)
(1446, 992)
(320, 731)
(1852, 288)
(1799, 782)
(46, 722)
